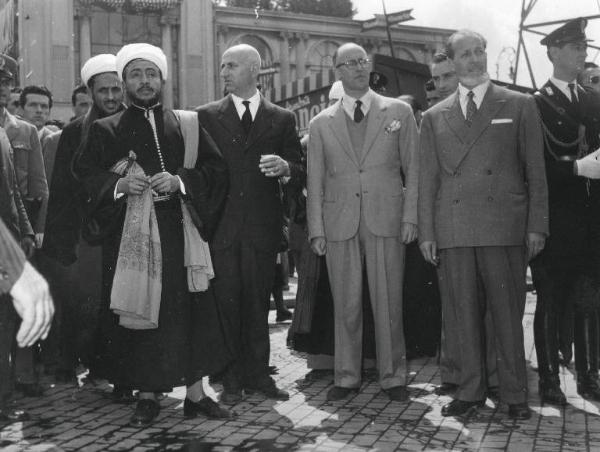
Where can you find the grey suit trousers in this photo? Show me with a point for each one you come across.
(501, 271)
(384, 260)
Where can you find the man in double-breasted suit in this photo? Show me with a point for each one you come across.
(483, 207)
(262, 150)
(361, 214)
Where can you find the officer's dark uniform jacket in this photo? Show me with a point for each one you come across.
(570, 132)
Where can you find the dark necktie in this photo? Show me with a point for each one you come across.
(471, 107)
(574, 99)
(247, 117)
(358, 113)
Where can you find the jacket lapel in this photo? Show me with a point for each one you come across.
(339, 128)
(374, 120)
(262, 122)
(229, 119)
(454, 117)
(491, 104)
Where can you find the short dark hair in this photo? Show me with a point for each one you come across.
(35, 89)
(429, 85)
(79, 89)
(439, 57)
(412, 101)
(449, 50)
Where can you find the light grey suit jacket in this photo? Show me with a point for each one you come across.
(483, 185)
(340, 184)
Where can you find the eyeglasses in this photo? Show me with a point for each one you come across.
(353, 64)
(595, 79)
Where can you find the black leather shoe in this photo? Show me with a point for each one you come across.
(207, 407)
(589, 389)
(446, 388)
(551, 393)
(397, 393)
(460, 407)
(519, 411)
(145, 412)
(493, 393)
(13, 415)
(231, 396)
(283, 315)
(122, 395)
(339, 392)
(268, 389)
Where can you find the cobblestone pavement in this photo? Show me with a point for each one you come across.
(83, 418)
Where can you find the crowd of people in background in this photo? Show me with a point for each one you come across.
(162, 234)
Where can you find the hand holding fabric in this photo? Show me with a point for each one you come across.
(133, 184)
(164, 182)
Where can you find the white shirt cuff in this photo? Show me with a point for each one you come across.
(117, 195)
(181, 186)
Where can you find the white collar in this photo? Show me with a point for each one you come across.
(349, 103)
(564, 86)
(478, 95)
(241, 108)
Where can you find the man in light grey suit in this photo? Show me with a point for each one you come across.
(483, 206)
(361, 214)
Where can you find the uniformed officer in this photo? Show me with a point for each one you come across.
(567, 272)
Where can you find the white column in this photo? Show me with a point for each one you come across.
(84, 16)
(167, 21)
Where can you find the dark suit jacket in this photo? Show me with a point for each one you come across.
(254, 209)
(574, 201)
(483, 185)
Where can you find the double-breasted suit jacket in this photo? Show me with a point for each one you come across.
(341, 183)
(482, 188)
(482, 185)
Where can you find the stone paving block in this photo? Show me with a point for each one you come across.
(79, 442)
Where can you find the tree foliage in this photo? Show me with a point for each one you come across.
(335, 8)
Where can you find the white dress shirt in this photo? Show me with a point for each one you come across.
(564, 87)
(241, 108)
(478, 93)
(349, 103)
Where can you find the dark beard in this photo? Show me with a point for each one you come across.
(144, 103)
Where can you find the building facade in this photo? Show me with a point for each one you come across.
(55, 37)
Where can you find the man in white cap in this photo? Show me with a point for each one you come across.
(184, 342)
(72, 265)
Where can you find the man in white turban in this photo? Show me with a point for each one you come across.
(184, 342)
(72, 266)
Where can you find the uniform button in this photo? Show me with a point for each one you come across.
(489, 172)
(490, 198)
(358, 195)
(455, 201)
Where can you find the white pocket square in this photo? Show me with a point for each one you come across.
(502, 121)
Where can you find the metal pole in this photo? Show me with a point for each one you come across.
(387, 29)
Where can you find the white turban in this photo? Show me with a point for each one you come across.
(337, 91)
(98, 64)
(143, 51)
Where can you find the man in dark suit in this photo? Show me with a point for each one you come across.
(262, 150)
(567, 273)
(483, 208)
